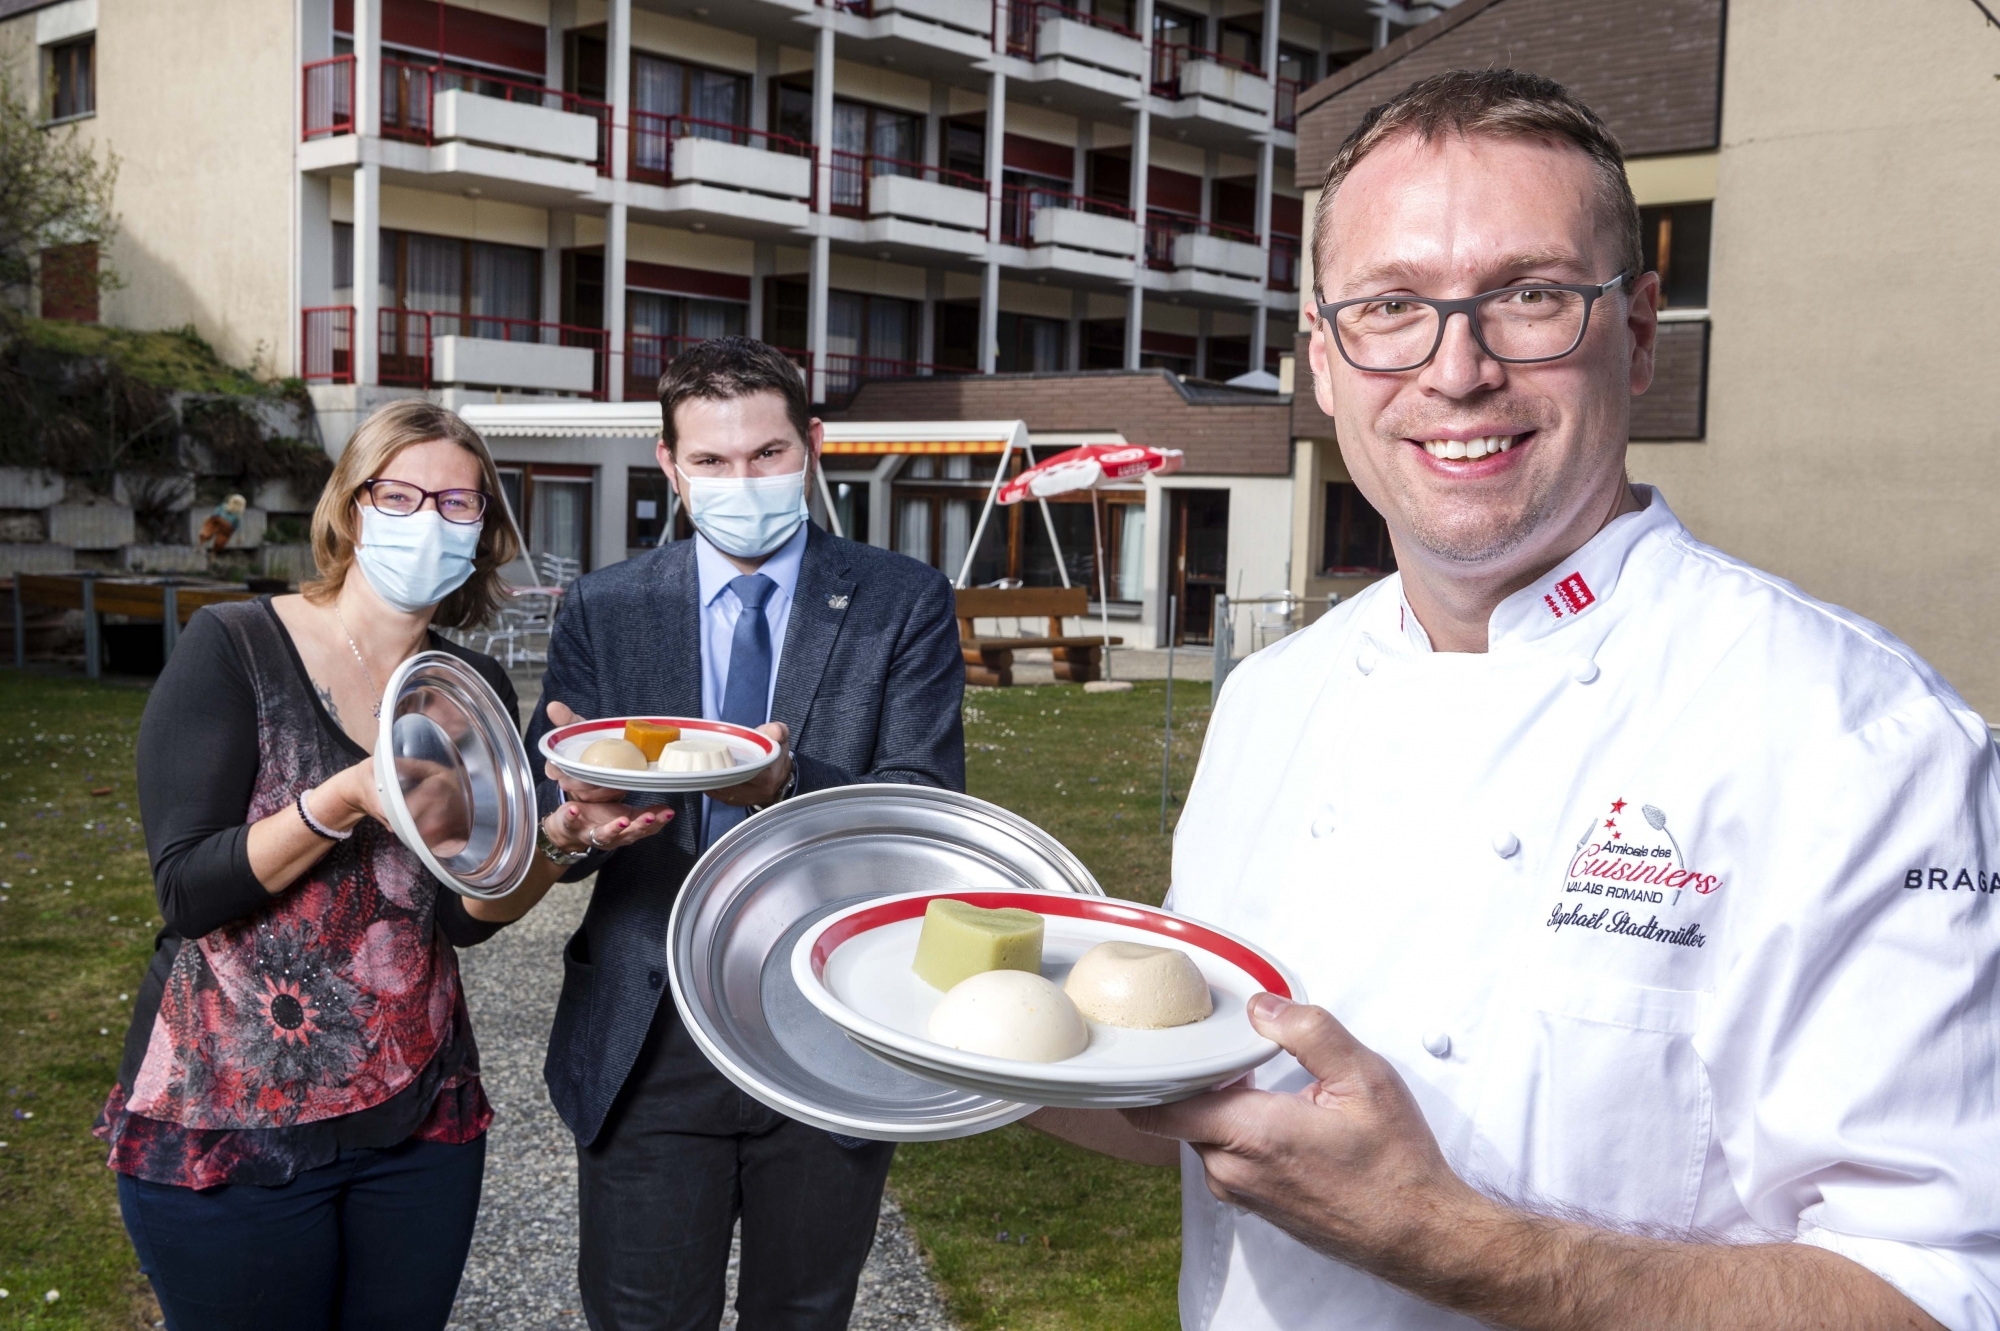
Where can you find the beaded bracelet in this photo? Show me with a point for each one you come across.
(314, 825)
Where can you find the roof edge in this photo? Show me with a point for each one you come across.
(1376, 61)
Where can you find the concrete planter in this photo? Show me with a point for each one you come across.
(1085, 231)
(281, 497)
(35, 559)
(29, 487)
(1088, 44)
(927, 201)
(1226, 83)
(520, 126)
(521, 365)
(739, 166)
(165, 559)
(1213, 254)
(168, 492)
(90, 526)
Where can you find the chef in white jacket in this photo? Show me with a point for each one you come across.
(1648, 908)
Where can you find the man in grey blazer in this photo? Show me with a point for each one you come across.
(849, 656)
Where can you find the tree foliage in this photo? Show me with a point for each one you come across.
(53, 191)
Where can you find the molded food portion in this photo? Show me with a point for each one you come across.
(1139, 987)
(1010, 1014)
(614, 753)
(696, 755)
(650, 737)
(960, 940)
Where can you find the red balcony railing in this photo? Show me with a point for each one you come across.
(1169, 57)
(1020, 203)
(853, 171)
(409, 97)
(1163, 226)
(326, 344)
(1024, 24)
(844, 373)
(1284, 263)
(405, 341)
(329, 97)
(651, 149)
(1285, 106)
(647, 356)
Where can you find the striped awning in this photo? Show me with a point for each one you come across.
(877, 438)
(880, 446)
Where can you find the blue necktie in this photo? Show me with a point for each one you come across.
(746, 694)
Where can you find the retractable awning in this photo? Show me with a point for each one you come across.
(850, 438)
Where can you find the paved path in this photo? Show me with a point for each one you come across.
(522, 1273)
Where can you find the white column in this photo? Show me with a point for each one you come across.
(618, 87)
(1142, 147)
(368, 67)
(996, 170)
(1259, 323)
(559, 235)
(819, 263)
(367, 270)
(614, 298)
(763, 262)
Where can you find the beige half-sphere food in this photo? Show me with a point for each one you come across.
(696, 755)
(622, 753)
(1137, 986)
(1010, 1014)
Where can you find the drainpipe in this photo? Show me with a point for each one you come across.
(818, 263)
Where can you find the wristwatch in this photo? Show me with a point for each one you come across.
(556, 854)
(785, 792)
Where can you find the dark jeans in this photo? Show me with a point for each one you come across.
(377, 1239)
(677, 1163)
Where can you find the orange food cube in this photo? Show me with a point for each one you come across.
(651, 737)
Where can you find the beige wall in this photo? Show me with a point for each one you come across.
(1851, 423)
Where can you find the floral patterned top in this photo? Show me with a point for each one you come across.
(273, 1031)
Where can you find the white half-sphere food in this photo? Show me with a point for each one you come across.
(696, 755)
(1010, 1014)
(621, 753)
(1140, 987)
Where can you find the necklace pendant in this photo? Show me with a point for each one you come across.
(378, 711)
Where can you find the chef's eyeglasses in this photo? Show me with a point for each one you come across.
(399, 499)
(1519, 325)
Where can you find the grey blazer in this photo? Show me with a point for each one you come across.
(870, 681)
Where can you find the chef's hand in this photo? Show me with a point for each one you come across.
(1347, 1165)
(595, 817)
(762, 788)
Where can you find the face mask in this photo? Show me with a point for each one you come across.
(416, 561)
(746, 516)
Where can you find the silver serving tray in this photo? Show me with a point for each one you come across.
(772, 877)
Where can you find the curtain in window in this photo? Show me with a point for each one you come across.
(957, 534)
(913, 528)
(343, 263)
(1041, 344)
(560, 511)
(1131, 552)
(889, 329)
(506, 284)
(712, 318)
(653, 319)
(846, 323)
(433, 274)
(899, 137)
(718, 97)
(657, 88)
(850, 141)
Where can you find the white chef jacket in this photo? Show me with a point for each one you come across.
(1678, 907)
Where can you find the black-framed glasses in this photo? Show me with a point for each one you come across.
(399, 499)
(1519, 325)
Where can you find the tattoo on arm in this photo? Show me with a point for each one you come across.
(326, 701)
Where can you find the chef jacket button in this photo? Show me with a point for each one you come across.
(1437, 1044)
(1323, 825)
(1505, 844)
(1364, 660)
(1583, 670)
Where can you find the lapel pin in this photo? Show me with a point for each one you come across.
(836, 602)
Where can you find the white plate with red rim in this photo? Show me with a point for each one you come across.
(854, 966)
(564, 747)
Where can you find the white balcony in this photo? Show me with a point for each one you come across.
(1215, 254)
(520, 126)
(1086, 44)
(975, 16)
(926, 201)
(537, 366)
(1227, 84)
(1070, 228)
(699, 161)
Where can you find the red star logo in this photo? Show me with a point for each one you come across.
(1618, 806)
(1610, 824)
(1616, 836)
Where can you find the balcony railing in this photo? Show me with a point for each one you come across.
(1163, 226)
(1020, 203)
(407, 344)
(647, 356)
(653, 136)
(329, 97)
(1284, 263)
(326, 344)
(852, 173)
(1024, 25)
(1169, 57)
(1285, 113)
(845, 373)
(409, 102)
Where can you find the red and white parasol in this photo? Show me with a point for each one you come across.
(1087, 467)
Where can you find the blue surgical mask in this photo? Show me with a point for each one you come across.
(413, 562)
(746, 516)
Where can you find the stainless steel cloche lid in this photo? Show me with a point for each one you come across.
(454, 776)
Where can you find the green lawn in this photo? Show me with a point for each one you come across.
(76, 925)
(1103, 1238)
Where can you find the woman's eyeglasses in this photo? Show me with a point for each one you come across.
(399, 499)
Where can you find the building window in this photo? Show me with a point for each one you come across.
(1029, 344)
(552, 505)
(69, 283)
(497, 288)
(867, 140)
(647, 508)
(716, 103)
(875, 334)
(71, 78)
(1298, 64)
(1676, 240)
(663, 326)
(1357, 540)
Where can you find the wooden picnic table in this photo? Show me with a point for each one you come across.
(990, 660)
(171, 601)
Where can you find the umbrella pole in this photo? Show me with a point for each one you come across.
(1103, 597)
(1062, 565)
(826, 497)
(1167, 753)
(999, 475)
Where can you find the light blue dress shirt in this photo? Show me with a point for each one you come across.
(720, 608)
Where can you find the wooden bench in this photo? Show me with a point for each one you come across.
(990, 661)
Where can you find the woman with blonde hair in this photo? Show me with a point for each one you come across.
(298, 1124)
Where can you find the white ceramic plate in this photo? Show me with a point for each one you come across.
(854, 966)
(753, 753)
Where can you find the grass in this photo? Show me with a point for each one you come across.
(171, 358)
(1102, 1237)
(76, 927)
